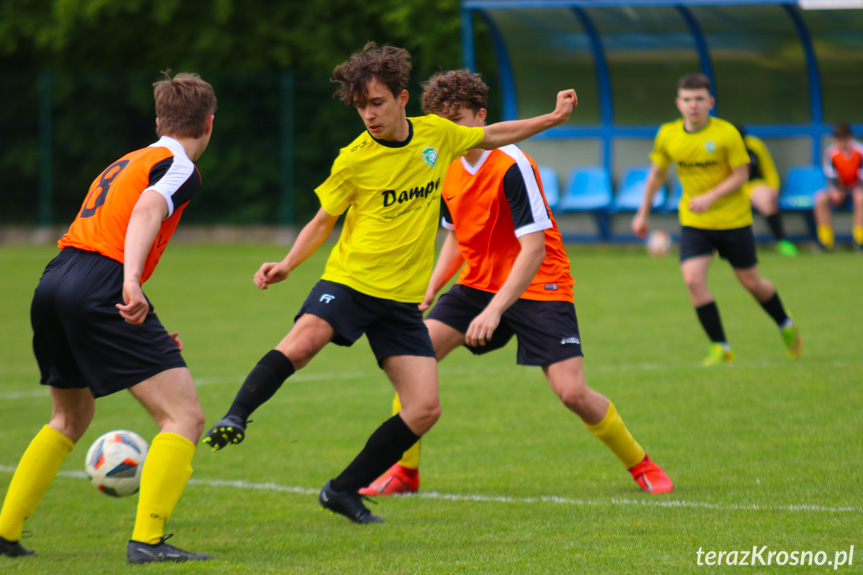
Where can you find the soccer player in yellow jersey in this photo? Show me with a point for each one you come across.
(390, 177)
(715, 214)
(762, 189)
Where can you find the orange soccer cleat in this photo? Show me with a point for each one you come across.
(651, 477)
(398, 480)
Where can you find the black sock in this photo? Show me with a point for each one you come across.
(385, 447)
(775, 309)
(775, 223)
(708, 315)
(262, 383)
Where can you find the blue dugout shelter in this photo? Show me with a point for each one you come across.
(787, 70)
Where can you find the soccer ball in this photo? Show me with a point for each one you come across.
(114, 462)
(658, 243)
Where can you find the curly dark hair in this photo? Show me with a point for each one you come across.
(390, 65)
(446, 92)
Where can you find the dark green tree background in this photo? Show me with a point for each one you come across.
(96, 61)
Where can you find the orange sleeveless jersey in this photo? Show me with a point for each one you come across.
(489, 206)
(848, 169)
(101, 224)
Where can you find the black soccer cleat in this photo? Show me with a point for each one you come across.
(138, 552)
(349, 504)
(13, 549)
(230, 429)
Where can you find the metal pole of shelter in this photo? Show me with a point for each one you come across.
(816, 106)
(603, 81)
(507, 80)
(467, 45)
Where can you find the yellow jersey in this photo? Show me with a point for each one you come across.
(703, 160)
(392, 194)
(761, 166)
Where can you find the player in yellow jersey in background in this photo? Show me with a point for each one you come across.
(515, 280)
(388, 180)
(762, 189)
(715, 214)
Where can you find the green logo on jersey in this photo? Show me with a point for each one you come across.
(710, 146)
(430, 156)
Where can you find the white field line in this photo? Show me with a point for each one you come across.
(40, 391)
(554, 499)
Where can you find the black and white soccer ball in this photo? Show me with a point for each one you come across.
(115, 461)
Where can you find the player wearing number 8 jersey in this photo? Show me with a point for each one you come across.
(101, 225)
(94, 332)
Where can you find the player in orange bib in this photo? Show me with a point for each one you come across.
(94, 332)
(843, 166)
(514, 281)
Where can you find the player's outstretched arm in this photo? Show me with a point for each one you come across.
(448, 263)
(144, 224)
(510, 132)
(310, 239)
(655, 180)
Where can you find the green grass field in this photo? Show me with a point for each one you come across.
(766, 452)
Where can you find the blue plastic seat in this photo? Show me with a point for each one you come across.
(588, 190)
(631, 193)
(801, 183)
(550, 185)
(798, 193)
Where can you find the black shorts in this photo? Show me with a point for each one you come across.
(736, 245)
(547, 331)
(847, 201)
(80, 339)
(847, 190)
(392, 327)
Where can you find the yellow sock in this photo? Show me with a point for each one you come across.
(411, 457)
(167, 469)
(34, 474)
(613, 433)
(825, 236)
(858, 234)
